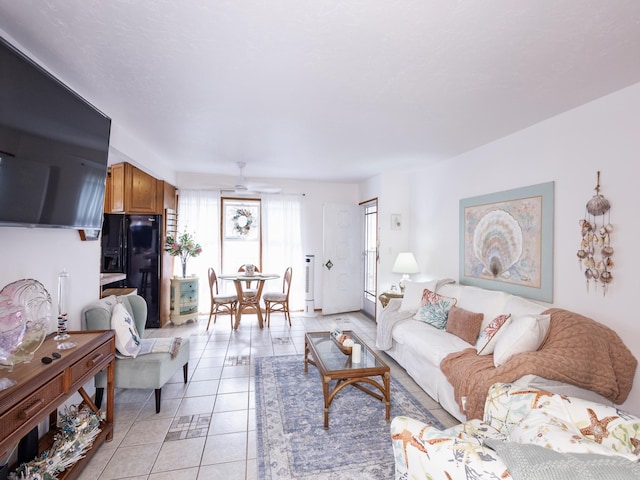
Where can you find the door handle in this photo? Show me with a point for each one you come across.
(328, 265)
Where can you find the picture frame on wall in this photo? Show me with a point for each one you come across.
(506, 241)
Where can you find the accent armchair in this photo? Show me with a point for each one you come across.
(151, 370)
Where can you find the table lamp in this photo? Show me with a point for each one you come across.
(405, 264)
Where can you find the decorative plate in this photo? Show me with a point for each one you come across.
(27, 303)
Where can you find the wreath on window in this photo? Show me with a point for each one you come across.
(242, 222)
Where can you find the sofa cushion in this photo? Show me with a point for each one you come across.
(464, 324)
(434, 308)
(413, 295)
(489, 335)
(517, 306)
(606, 425)
(523, 334)
(489, 302)
(432, 343)
(541, 428)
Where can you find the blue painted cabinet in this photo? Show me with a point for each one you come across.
(184, 300)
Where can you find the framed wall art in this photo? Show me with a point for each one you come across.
(506, 241)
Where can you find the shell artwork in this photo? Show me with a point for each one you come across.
(497, 243)
(595, 252)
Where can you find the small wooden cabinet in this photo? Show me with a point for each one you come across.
(184, 300)
(130, 190)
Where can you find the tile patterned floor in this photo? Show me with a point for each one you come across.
(206, 429)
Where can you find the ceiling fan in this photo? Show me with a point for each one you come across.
(243, 186)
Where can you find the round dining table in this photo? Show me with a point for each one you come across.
(248, 302)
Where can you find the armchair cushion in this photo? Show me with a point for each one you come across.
(127, 338)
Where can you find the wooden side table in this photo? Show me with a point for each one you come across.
(386, 296)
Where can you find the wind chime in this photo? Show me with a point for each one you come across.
(595, 247)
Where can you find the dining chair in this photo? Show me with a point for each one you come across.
(249, 289)
(279, 301)
(227, 303)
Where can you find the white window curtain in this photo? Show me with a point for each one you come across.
(282, 244)
(199, 214)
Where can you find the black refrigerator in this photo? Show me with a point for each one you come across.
(131, 244)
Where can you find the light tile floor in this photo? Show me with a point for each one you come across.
(207, 429)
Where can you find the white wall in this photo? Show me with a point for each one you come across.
(41, 253)
(568, 149)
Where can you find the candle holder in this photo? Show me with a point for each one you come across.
(62, 328)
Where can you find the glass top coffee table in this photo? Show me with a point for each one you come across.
(334, 365)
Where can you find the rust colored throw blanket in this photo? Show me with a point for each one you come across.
(577, 350)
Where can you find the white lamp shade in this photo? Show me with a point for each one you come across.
(405, 263)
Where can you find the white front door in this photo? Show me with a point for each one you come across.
(342, 259)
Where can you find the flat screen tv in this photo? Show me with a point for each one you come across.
(53, 149)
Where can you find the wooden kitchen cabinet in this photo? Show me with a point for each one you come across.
(131, 190)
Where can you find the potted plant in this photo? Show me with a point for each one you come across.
(183, 246)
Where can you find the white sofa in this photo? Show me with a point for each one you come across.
(420, 348)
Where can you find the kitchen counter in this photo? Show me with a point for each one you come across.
(106, 278)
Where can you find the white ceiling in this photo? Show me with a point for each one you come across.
(328, 89)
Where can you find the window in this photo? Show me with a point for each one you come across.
(241, 233)
(371, 256)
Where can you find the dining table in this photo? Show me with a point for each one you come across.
(248, 302)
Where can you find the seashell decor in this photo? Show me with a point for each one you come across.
(595, 250)
(497, 243)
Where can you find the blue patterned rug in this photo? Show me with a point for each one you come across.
(292, 441)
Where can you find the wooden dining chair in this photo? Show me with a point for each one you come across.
(227, 303)
(279, 301)
(249, 289)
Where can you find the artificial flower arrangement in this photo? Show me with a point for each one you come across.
(183, 246)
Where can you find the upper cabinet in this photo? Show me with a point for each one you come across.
(130, 190)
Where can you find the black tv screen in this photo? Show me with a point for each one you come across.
(53, 149)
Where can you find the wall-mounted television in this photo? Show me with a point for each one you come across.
(53, 149)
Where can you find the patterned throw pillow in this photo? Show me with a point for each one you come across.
(434, 309)
(540, 428)
(127, 337)
(489, 336)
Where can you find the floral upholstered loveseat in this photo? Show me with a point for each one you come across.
(525, 434)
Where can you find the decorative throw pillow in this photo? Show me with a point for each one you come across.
(434, 308)
(127, 337)
(540, 428)
(412, 294)
(489, 336)
(524, 334)
(464, 324)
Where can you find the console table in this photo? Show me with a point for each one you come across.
(41, 388)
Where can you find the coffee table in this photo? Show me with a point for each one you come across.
(333, 365)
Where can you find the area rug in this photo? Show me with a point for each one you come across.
(292, 441)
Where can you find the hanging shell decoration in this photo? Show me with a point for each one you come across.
(595, 253)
